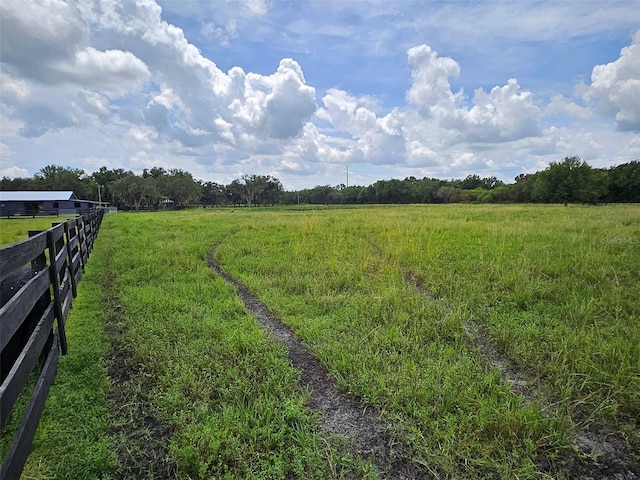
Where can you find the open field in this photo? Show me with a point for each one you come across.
(490, 340)
(16, 229)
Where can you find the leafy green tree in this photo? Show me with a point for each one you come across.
(571, 180)
(391, 191)
(179, 186)
(252, 187)
(135, 191)
(212, 193)
(624, 182)
(367, 195)
(235, 193)
(471, 182)
(155, 172)
(503, 194)
(55, 177)
(448, 194)
(13, 184)
(272, 192)
(322, 194)
(350, 194)
(523, 188)
(425, 190)
(105, 177)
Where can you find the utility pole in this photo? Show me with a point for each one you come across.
(347, 176)
(99, 196)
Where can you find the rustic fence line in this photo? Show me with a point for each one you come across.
(39, 281)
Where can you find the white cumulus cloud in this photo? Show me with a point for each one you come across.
(377, 140)
(505, 113)
(430, 89)
(559, 104)
(617, 86)
(14, 172)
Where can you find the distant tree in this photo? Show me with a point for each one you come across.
(469, 196)
(155, 172)
(624, 183)
(235, 193)
(447, 194)
(272, 192)
(251, 187)
(13, 184)
(523, 188)
(571, 180)
(322, 194)
(597, 186)
(178, 185)
(471, 182)
(503, 194)
(349, 195)
(392, 191)
(491, 182)
(426, 190)
(290, 197)
(105, 177)
(135, 191)
(212, 193)
(367, 195)
(55, 177)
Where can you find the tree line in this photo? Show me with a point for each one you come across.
(153, 189)
(571, 180)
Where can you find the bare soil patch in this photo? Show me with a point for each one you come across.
(341, 414)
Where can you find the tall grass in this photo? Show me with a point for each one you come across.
(384, 297)
(555, 287)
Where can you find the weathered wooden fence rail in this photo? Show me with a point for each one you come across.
(39, 280)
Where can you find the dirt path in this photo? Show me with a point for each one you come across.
(600, 452)
(342, 414)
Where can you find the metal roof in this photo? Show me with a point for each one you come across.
(37, 196)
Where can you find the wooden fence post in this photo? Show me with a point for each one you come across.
(71, 241)
(56, 259)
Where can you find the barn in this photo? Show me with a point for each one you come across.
(32, 203)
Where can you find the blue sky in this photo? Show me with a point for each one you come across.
(300, 90)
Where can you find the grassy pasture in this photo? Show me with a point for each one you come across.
(393, 301)
(16, 229)
(556, 288)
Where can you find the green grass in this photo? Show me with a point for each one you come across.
(72, 440)
(15, 230)
(555, 288)
(224, 388)
(75, 426)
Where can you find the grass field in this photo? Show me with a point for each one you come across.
(16, 229)
(490, 338)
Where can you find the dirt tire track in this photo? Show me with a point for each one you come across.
(600, 453)
(341, 414)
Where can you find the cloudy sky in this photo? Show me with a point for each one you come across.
(305, 90)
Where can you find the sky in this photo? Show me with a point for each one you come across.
(318, 92)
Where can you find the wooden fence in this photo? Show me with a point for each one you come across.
(39, 281)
